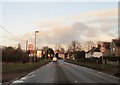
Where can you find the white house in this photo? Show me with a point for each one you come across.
(94, 52)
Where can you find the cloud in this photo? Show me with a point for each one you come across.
(103, 13)
(91, 33)
(62, 35)
(98, 15)
(91, 26)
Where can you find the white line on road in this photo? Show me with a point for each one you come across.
(18, 81)
(23, 78)
(75, 81)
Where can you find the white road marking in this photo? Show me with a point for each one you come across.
(31, 76)
(23, 78)
(18, 81)
(37, 70)
(75, 81)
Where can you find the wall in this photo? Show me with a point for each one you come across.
(117, 51)
(97, 54)
(107, 52)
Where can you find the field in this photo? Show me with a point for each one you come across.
(11, 71)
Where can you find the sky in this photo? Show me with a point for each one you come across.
(57, 22)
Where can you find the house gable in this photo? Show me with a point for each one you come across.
(115, 47)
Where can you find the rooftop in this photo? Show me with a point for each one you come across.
(117, 42)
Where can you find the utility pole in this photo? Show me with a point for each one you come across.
(102, 49)
(35, 47)
(26, 45)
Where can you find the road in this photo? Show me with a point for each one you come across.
(63, 72)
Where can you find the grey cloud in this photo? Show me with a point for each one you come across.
(67, 34)
(77, 31)
(91, 33)
(62, 34)
(80, 26)
(104, 20)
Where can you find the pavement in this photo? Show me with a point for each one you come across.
(63, 72)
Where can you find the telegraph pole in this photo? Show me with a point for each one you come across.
(102, 49)
(26, 45)
(35, 46)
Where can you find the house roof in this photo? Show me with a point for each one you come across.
(59, 52)
(116, 42)
(94, 49)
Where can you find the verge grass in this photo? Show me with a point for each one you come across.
(107, 68)
(12, 71)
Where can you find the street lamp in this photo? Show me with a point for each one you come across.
(35, 46)
(26, 45)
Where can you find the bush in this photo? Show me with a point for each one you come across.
(9, 54)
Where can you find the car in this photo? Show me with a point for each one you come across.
(54, 59)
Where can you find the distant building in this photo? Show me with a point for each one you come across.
(60, 54)
(112, 49)
(115, 47)
(94, 52)
(39, 53)
(19, 46)
(107, 52)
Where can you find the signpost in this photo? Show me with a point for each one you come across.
(30, 48)
(102, 49)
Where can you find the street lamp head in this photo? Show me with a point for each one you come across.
(36, 31)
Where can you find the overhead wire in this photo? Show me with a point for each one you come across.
(13, 36)
(7, 31)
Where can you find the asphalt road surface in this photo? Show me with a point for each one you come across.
(63, 72)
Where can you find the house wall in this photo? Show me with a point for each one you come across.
(112, 46)
(112, 52)
(107, 52)
(94, 54)
(87, 55)
(62, 56)
(97, 54)
(117, 51)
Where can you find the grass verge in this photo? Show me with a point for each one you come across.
(11, 71)
(107, 68)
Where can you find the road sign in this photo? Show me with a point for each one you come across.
(102, 49)
(30, 47)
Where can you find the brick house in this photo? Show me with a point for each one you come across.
(95, 52)
(107, 52)
(115, 47)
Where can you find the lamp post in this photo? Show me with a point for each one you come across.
(35, 46)
(26, 46)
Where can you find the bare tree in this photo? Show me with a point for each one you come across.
(90, 44)
(75, 46)
(62, 50)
